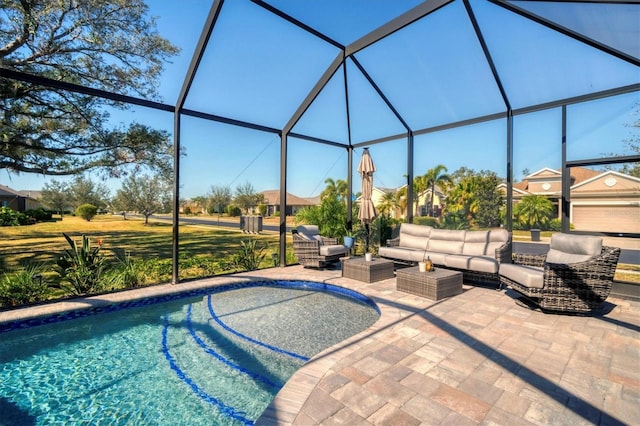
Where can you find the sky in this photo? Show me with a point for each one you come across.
(259, 69)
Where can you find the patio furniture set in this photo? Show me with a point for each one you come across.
(575, 276)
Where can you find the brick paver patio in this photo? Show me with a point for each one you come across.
(476, 358)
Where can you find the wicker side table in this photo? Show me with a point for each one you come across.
(434, 285)
(359, 269)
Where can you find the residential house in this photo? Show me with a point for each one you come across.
(16, 200)
(294, 203)
(606, 201)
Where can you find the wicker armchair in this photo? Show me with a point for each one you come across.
(574, 277)
(315, 251)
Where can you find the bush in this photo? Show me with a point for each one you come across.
(384, 226)
(87, 211)
(555, 225)
(81, 267)
(262, 208)
(249, 257)
(426, 220)
(39, 214)
(10, 217)
(234, 211)
(126, 274)
(25, 286)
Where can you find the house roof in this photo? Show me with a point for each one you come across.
(578, 175)
(272, 198)
(5, 191)
(29, 193)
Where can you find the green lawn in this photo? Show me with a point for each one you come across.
(43, 242)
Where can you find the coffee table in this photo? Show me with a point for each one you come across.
(357, 268)
(435, 285)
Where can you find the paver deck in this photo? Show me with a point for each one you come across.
(476, 358)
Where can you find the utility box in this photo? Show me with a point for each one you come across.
(251, 224)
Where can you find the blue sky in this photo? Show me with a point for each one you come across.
(259, 68)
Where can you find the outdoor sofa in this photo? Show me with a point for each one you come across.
(575, 276)
(314, 250)
(477, 254)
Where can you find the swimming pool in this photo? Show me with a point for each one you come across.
(217, 358)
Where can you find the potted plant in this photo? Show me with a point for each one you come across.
(348, 239)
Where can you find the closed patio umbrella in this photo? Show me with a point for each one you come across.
(367, 211)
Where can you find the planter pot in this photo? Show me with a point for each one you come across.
(535, 235)
(348, 242)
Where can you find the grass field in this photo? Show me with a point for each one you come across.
(43, 242)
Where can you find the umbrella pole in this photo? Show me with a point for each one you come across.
(366, 238)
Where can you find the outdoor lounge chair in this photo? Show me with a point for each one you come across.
(575, 276)
(314, 250)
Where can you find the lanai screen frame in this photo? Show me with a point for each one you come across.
(347, 53)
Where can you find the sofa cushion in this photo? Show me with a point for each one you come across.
(333, 249)
(497, 238)
(414, 236)
(475, 242)
(446, 241)
(436, 257)
(472, 263)
(413, 241)
(528, 276)
(565, 248)
(458, 261)
(407, 254)
(484, 264)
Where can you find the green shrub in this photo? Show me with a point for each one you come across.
(81, 267)
(555, 225)
(10, 217)
(233, 211)
(426, 220)
(383, 226)
(262, 208)
(250, 256)
(87, 211)
(39, 214)
(125, 274)
(26, 286)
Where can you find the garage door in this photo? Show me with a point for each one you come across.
(606, 218)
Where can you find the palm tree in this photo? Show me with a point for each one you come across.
(534, 211)
(401, 200)
(335, 188)
(419, 186)
(436, 176)
(461, 201)
(388, 203)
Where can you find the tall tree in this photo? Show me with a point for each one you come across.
(247, 197)
(219, 197)
(420, 185)
(335, 189)
(55, 196)
(388, 203)
(105, 44)
(143, 194)
(436, 176)
(474, 200)
(85, 191)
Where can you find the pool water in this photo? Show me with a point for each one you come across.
(217, 359)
